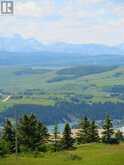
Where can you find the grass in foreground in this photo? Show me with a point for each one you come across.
(90, 154)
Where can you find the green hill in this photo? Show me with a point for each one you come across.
(90, 154)
(67, 91)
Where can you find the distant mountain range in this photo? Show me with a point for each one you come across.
(19, 44)
(17, 50)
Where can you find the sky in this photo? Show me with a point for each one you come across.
(73, 21)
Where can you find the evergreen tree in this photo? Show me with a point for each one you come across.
(32, 133)
(108, 130)
(94, 136)
(9, 135)
(67, 140)
(84, 131)
(41, 134)
(119, 135)
(56, 137)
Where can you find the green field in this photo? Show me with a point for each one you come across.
(90, 84)
(89, 154)
(46, 89)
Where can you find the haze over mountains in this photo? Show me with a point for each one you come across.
(17, 43)
(18, 50)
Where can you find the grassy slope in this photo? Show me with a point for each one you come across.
(90, 154)
(84, 85)
(9, 80)
(97, 83)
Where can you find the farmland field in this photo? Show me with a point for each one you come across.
(88, 83)
(37, 89)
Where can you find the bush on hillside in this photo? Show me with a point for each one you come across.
(4, 148)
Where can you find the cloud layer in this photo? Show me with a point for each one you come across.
(80, 21)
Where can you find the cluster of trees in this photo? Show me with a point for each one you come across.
(32, 135)
(88, 132)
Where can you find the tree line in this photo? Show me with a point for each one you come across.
(62, 111)
(33, 136)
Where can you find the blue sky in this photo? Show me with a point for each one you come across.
(59, 2)
(75, 21)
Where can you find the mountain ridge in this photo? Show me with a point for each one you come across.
(17, 43)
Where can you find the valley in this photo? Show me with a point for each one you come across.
(65, 94)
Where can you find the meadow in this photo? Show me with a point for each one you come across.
(88, 154)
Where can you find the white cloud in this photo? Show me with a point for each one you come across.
(34, 8)
(85, 21)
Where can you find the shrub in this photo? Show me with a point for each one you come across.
(43, 148)
(73, 157)
(4, 148)
(114, 141)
